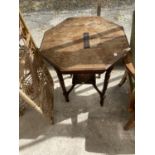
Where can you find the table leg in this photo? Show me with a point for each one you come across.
(62, 83)
(123, 79)
(105, 84)
(101, 93)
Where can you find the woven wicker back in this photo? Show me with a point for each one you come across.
(36, 84)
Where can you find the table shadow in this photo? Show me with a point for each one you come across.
(102, 127)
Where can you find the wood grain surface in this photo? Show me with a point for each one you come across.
(63, 45)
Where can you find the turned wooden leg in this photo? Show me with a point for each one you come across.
(131, 122)
(99, 8)
(123, 79)
(70, 89)
(105, 85)
(131, 107)
(62, 83)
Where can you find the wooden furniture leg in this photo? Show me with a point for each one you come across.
(79, 80)
(105, 85)
(123, 79)
(99, 8)
(90, 79)
(131, 122)
(62, 83)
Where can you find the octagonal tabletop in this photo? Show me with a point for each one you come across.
(63, 45)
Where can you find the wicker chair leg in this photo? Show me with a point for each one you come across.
(21, 110)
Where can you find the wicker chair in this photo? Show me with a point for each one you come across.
(36, 84)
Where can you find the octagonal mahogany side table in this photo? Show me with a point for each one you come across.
(83, 47)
